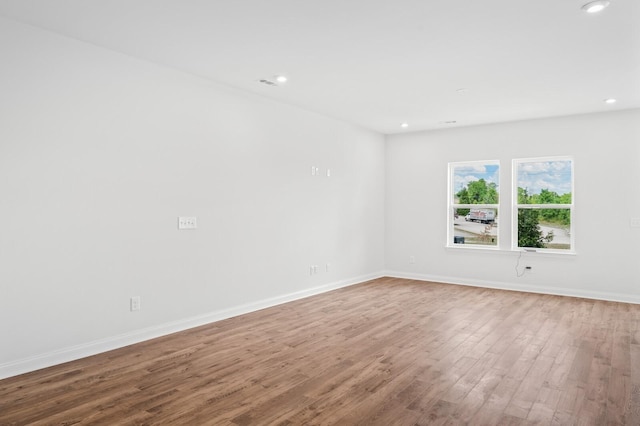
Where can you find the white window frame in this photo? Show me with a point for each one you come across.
(517, 206)
(452, 205)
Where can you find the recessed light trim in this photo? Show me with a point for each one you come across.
(596, 6)
(404, 125)
(610, 101)
(276, 80)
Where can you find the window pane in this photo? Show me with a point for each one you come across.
(544, 228)
(544, 182)
(475, 227)
(475, 183)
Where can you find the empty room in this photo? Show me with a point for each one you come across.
(241, 212)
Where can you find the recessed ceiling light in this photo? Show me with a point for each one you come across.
(281, 79)
(610, 101)
(462, 90)
(595, 6)
(404, 125)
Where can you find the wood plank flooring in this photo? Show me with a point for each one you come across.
(385, 352)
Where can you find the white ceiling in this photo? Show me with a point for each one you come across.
(378, 63)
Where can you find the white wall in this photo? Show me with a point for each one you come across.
(99, 155)
(606, 150)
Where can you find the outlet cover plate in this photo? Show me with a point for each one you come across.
(135, 303)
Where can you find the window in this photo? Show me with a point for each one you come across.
(543, 199)
(473, 204)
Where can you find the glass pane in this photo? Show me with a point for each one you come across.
(544, 182)
(475, 183)
(544, 228)
(475, 227)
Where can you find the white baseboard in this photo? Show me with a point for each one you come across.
(558, 291)
(72, 353)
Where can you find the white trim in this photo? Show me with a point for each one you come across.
(475, 247)
(557, 291)
(83, 350)
(534, 252)
(515, 205)
(544, 206)
(451, 206)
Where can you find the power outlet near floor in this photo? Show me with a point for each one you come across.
(134, 303)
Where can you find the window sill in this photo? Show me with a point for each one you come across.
(498, 250)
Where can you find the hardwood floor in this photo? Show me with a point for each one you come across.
(386, 352)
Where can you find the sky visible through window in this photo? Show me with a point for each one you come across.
(554, 176)
(464, 174)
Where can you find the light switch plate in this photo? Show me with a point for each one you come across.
(187, 222)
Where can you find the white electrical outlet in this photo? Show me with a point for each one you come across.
(635, 222)
(412, 260)
(135, 303)
(187, 222)
(327, 267)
